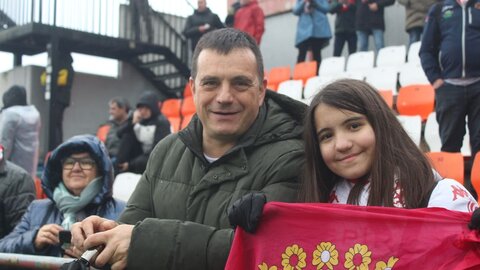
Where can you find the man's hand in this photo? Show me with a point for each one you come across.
(136, 117)
(92, 224)
(123, 167)
(247, 211)
(373, 7)
(437, 83)
(116, 243)
(47, 235)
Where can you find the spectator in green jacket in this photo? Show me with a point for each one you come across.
(242, 139)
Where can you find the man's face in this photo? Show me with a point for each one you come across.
(227, 93)
(118, 114)
(144, 112)
(202, 5)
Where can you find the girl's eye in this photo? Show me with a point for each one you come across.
(355, 126)
(324, 137)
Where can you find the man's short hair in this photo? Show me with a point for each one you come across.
(224, 41)
(121, 102)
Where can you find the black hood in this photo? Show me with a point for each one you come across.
(151, 100)
(16, 95)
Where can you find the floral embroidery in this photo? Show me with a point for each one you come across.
(386, 266)
(294, 258)
(264, 266)
(325, 255)
(358, 258)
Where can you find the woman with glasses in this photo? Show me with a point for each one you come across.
(78, 181)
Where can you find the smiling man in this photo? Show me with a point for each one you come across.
(243, 139)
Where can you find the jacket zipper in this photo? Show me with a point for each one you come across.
(464, 18)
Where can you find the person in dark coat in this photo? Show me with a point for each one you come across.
(369, 20)
(77, 180)
(145, 128)
(17, 191)
(200, 22)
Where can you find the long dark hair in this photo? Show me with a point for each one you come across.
(396, 155)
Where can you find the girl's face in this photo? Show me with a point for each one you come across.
(346, 141)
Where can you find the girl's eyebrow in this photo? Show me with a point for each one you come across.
(348, 120)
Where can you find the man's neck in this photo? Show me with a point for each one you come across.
(121, 120)
(216, 148)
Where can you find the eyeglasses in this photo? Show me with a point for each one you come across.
(85, 163)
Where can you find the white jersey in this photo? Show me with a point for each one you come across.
(448, 194)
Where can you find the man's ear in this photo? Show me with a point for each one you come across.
(263, 90)
(191, 82)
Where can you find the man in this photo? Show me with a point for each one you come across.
(143, 131)
(369, 20)
(415, 12)
(141, 9)
(201, 21)
(449, 54)
(118, 110)
(20, 129)
(17, 191)
(242, 139)
(250, 19)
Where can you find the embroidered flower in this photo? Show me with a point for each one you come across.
(294, 258)
(325, 255)
(358, 258)
(386, 266)
(264, 266)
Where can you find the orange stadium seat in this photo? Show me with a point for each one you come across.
(417, 99)
(171, 107)
(278, 75)
(304, 71)
(186, 119)
(187, 92)
(188, 107)
(387, 95)
(448, 165)
(102, 132)
(475, 175)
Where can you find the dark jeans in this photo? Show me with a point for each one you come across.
(341, 39)
(452, 104)
(414, 34)
(316, 45)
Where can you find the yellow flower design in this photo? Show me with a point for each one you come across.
(294, 258)
(386, 266)
(358, 258)
(264, 266)
(325, 255)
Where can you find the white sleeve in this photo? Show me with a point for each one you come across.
(452, 195)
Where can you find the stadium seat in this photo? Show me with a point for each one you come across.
(412, 74)
(331, 66)
(124, 185)
(383, 78)
(304, 71)
(313, 86)
(186, 120)
(187, 92)
(387, 95)
(392, 56)
(360, 61)
(416, 100)
(102, 132)
(171, 107)
(475, 175)
(188, 106)
(412, 56)
(175, 123)
(413, 126)
(448, 165)
(291, 88)
(278, 75)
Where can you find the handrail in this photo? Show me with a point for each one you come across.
(32, 261)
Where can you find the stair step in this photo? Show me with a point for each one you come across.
(168, 76)
(155, 63)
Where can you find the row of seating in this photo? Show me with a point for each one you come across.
(179, 111)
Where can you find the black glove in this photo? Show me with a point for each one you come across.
(246, 211)
(475, 220)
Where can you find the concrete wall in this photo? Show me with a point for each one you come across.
(90, 96)
(278, 42)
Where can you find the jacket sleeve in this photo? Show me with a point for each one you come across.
(20, 240)
(430, 47)
(8, 125)
(385, 3)
(187, 245)
(298, 8)
(217, 22)
(17, 199)
(259, 22)
(321, 5)
(190, 30)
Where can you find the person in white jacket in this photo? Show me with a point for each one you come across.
(19, 129)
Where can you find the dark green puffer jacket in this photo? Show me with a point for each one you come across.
(179, 206)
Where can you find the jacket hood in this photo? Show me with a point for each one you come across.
(52, 174)
(15, 95)
(206, 11)
(280, 118)
(151, 100)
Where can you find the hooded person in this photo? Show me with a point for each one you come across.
(77, 180)
(146, 127)
(20, 129)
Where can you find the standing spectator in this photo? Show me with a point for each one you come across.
(242, 139)
(415, 12)
(232, 10)
(200, 22)
(20, 128)
(17, 191)
(141, 9)
(78, 181)
(313, 29)
(118, 110)
(145, 128)
(450, 58)
(369, 20)
(250, 19)
(344, 26)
